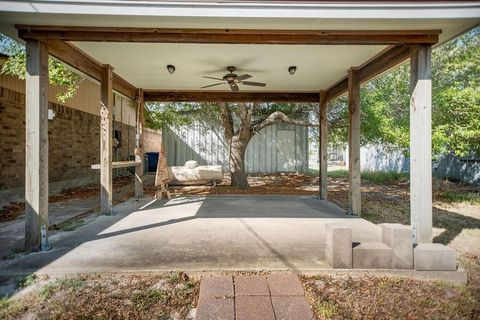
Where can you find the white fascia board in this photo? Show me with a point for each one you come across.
(450, 10)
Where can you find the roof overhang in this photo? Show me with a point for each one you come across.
(201, 38)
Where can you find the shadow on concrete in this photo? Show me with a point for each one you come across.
(241, 207)
(453, 223)
(171, 212)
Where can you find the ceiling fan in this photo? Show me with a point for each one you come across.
(234, 80)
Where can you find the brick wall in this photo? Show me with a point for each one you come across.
(74, 145)
(152, 140)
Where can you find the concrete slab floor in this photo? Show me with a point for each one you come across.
(199, 233)
(12, 232)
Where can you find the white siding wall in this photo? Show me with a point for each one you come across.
(87, 98)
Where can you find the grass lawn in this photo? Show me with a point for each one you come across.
(104, 296)
(368, 297)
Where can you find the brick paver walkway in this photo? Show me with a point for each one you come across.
(250, 297)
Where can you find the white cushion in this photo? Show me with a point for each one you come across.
(191, 164)
(198, 175)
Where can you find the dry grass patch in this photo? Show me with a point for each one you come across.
(365, 297)
(106, 296)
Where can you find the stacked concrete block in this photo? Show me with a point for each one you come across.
(434, 257)
(399, 238)
(372, 255)
(338, 247)
(395, 251)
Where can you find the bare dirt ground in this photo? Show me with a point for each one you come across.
(12, 210)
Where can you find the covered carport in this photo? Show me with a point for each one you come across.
(335, 47)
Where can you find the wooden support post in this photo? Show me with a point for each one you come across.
(322, 152)
(106, 128)
(139, 155)
(354, 141)
(421, 143)
(36, 150)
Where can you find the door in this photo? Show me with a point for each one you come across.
(286, 146)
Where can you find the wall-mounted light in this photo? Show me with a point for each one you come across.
(171, 68)
(292, 70)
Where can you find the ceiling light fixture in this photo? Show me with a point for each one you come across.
(171, 68)
(292, 70)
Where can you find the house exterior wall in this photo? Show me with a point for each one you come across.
(73, 133)
(207, 145)
(152, 140)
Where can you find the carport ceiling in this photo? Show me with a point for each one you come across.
(319, 66)
(144, 64)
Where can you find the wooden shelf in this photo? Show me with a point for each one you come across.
(119, 164)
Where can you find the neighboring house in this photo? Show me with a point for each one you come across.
(277, 148)
(74, 136)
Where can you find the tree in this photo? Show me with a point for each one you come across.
(252, 119)
(455, 103)
(240, 122)
(59, 74)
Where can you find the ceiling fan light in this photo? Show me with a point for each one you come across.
(292, 70)
(171, 68)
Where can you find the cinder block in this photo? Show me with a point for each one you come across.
(399, 238)
(372, 255)
(434, 257)
(338, 246)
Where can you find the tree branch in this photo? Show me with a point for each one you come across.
(280, 117)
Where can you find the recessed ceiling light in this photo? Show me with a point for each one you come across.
(171, 68)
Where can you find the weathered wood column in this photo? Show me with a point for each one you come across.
(421, 143)
(36, 148)
(139, 152)
(106, 128)
(354, 141)
(322, 152)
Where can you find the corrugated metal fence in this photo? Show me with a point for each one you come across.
(374, 158)
(277, 148)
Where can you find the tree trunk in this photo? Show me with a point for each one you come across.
(238, 175)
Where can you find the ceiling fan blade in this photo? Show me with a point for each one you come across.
(244, 77)
(234, 87)
(211, 85)
(256, 84)
(213, 78)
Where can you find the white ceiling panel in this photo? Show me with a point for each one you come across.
(144, 64)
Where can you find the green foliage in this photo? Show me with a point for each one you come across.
(467, 197)
(383, 177)
(326, 309)
(455, 108)
(371, 176)
(145, 299)
(4, 303)
(59, 74)
(338, 174)
(27, 281)
(52, 287)
(9, 308)
(162, 115)
(71, 225)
